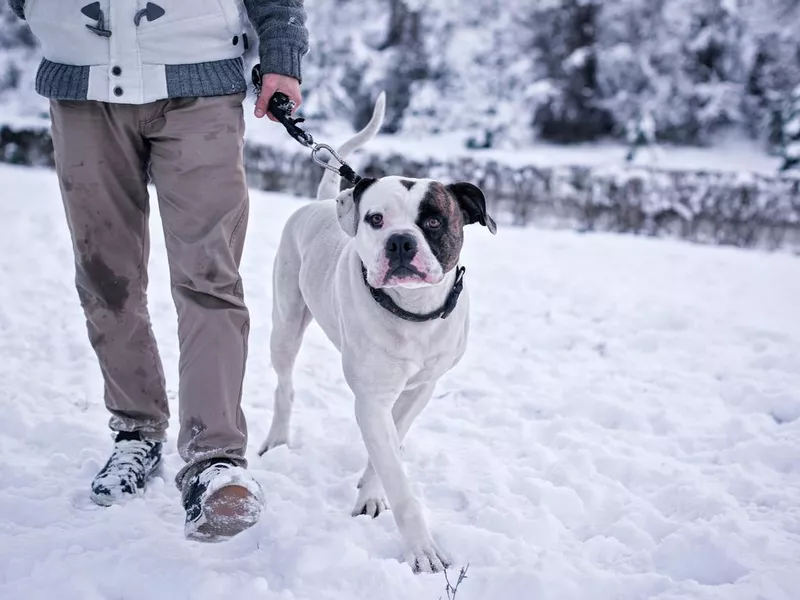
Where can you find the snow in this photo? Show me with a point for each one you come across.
(625, 425)
(729, 153)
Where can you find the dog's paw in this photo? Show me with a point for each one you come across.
(274, 439)
(428, 558)
(370, 507)
(370, 502)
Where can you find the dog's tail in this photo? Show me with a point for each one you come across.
(329, 184)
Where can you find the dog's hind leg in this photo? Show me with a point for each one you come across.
(290, 318)
(371, 500)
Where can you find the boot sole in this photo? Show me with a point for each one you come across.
(227, 512)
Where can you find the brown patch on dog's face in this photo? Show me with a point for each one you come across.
(441, 221)
(388, 240)
(410, 232)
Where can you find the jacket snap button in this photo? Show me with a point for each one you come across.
(118, 91)
(116, 71)
(236, 40)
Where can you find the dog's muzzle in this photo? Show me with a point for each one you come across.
(401, 248)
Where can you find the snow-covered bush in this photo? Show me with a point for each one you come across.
(722, 207)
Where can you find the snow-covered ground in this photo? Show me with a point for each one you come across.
(625, 425)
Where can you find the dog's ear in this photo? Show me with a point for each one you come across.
(473, 204)
(347, 206)
(346, 212)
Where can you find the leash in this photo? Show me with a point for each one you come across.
(281, 108)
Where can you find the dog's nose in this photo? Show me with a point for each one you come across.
(401, 247)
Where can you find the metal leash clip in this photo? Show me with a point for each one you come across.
(281, 107)
(324, 163)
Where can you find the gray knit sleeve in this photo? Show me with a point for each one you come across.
(16, 7)
(282, 35)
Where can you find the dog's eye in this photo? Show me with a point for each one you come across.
(433, 222)
(375, 220)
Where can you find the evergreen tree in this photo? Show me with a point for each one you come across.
(791, 132)
(565, 39)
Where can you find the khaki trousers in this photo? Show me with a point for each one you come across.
(192, 148)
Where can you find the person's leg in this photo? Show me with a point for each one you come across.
(198, 171)
(101, 165)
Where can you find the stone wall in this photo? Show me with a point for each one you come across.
(727, 208)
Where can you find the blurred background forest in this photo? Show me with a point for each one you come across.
(516, 71)
(537, 87)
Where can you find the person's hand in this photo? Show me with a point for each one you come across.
(272, 83)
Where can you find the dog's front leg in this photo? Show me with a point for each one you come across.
(374, 417)
(371, 500)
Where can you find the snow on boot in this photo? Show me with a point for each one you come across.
(221, 500)
(125, 474)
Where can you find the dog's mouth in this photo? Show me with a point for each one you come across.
(404, 272)
(407, 276)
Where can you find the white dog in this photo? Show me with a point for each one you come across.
(377, 267)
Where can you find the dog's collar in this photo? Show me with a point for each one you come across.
(449, 306)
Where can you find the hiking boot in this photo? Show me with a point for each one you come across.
(125, 474)
(221, 500)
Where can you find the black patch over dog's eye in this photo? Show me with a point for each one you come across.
(375, 220)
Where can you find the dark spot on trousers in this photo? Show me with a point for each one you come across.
(98, 283)
(141, 372)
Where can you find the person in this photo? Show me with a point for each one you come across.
(145, 92)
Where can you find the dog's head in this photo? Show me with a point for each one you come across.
(409, 232)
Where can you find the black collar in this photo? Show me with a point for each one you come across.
(449, 306)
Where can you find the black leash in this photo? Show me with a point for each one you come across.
(280, 106)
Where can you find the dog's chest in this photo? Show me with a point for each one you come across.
(432, 347)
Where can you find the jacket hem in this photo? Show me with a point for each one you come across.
(62, 82)
(58, 81)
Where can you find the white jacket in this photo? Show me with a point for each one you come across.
(128, 45)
